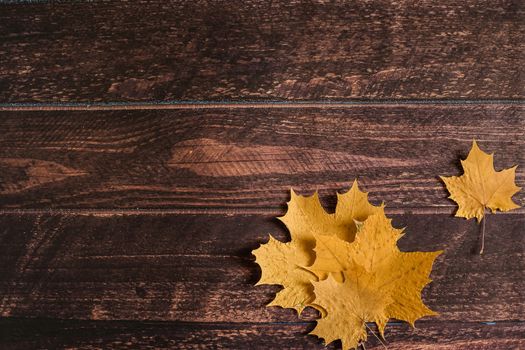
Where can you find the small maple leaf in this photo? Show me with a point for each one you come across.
(379, 282)
(283, 263)
(481, 186)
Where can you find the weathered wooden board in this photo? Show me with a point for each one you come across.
(245, 159)
(131, 225)
(279, 50)
(198, 268)
(58, 334)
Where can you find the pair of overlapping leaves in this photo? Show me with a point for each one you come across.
(346, 265)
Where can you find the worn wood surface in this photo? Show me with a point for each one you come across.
(233, 50)
(130, 200)
(243, 159)
(43, 333)
(199, 268)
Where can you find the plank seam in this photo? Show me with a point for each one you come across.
(222, 211)
(191, 104)
(226, 323)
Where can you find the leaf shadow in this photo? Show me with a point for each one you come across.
(248, 259)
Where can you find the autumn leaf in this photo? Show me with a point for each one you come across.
(380, 282)
(347, 266)
(481, 186)
(283, 263)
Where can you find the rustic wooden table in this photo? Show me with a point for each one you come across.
(146, 147)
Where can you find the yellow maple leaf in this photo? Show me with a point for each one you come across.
(283, 263)
(380, 282)
(481, 186)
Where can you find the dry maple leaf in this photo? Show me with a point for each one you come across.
(380, 282)
(481, 186)
(283, 263)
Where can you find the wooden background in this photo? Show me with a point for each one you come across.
(146, 147)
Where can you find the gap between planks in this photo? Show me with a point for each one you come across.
(167, 105)
(224, 211)
(237, 324)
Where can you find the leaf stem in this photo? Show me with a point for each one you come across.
(375, 335)
(483, 232)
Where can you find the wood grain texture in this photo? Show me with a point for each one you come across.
(199, 268)
(132, 228)
(58, 334)
(241, 159)
(280, 50)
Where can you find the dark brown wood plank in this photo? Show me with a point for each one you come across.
(204, 50)
(60, 334)
(199, 268)
(246, 159)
